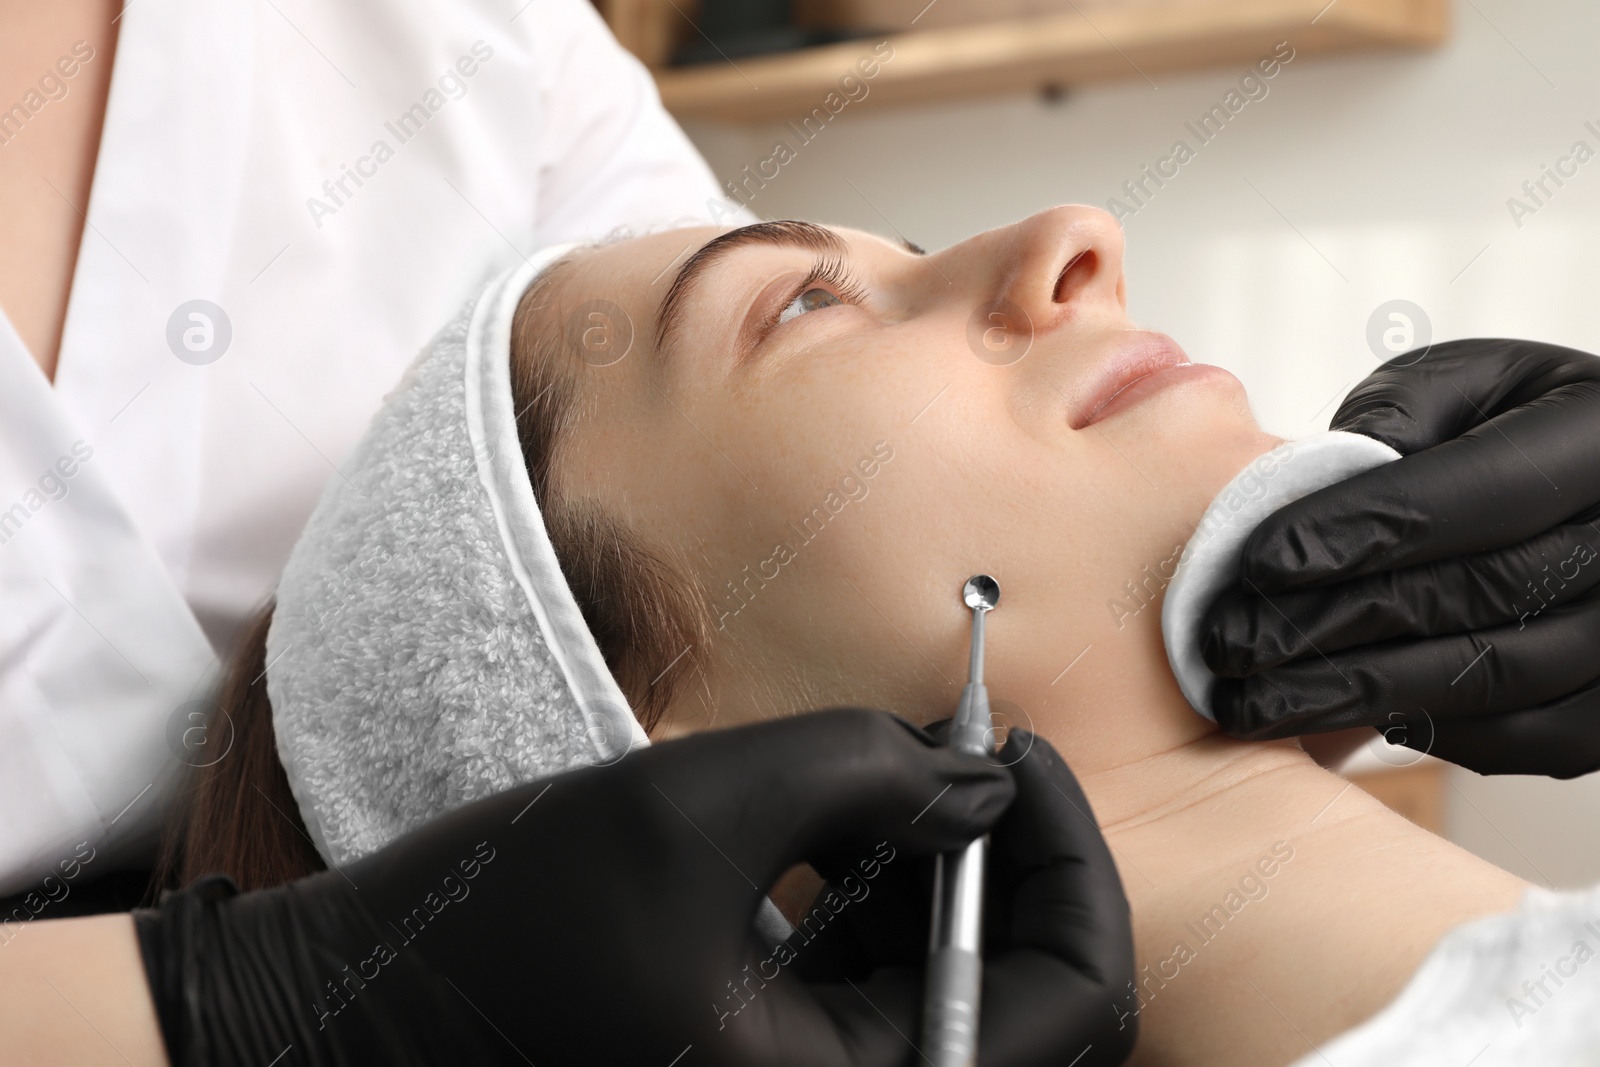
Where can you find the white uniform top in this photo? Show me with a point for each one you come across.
(336, 179)
(1506, 990)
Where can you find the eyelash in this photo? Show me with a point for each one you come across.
(831, 272)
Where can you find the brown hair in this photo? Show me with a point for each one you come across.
(238, 815)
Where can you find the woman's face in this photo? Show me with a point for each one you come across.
(832, 431)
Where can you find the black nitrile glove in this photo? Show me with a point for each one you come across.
(1057, 946)
(1449, 598)
(600, 916)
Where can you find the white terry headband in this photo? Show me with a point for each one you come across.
(426, 649)
(1210, 561)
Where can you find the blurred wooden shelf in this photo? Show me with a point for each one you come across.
(1058, 49)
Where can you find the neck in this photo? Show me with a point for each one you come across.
(1160, 756)
(1275, 905)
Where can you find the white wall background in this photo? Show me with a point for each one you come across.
(1353, 182)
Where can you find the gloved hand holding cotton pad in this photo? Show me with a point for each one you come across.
(1210, 562)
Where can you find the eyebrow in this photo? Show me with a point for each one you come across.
(787, 233)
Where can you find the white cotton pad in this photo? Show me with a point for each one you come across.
(1210, 561)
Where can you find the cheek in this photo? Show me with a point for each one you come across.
(845, 552)
(883, 574)
(820, 437)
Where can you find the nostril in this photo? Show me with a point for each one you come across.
(1074, 275)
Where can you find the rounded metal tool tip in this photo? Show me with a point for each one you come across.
(981, 593)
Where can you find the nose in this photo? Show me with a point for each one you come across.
(1061, 264)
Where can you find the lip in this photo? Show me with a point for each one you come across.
(1138, 355)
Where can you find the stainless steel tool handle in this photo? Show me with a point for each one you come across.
(955, 959)
(955, 943)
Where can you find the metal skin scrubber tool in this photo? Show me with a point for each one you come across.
(955, 948)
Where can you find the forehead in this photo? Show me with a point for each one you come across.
(634, 270)
(647, 261)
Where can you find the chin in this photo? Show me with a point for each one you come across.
(1200, 431)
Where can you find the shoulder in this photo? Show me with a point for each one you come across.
(1514, 988)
